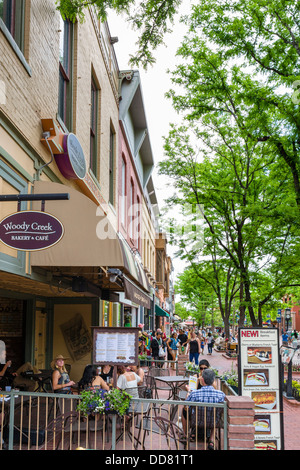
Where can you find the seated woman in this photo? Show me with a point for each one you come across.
(61, 382)
(128, 381)
(203, 365)
(91, 380)
(138, 371)
(106, 372)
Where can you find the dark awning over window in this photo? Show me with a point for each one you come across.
(159, 312)
(136, 295)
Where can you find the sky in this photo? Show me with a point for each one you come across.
(155, 82)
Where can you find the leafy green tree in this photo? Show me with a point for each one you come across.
(151, 18)
(258, 43)
(181, 311)
(237, 182)
(242, 182)
(208, 292)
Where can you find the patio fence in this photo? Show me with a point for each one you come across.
(36, 421)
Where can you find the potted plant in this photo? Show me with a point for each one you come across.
(104, 402)
(143, 359)
(231, 378)
(192, 368)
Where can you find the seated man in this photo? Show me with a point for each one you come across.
(206, 394)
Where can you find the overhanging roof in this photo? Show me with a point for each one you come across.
(89, 238)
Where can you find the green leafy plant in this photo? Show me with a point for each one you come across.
(230, 377)
(142, 357)
(189, 366)
(103, 401)
(296, 385)
(215, 371)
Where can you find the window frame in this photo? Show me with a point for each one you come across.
(65, 75)
(94, 127)
(21, 50)
(123, 192)
(111, 168)
(131, 202)
(15, 17)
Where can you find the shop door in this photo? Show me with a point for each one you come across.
(40, 336)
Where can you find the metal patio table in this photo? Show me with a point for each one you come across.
(174, 382)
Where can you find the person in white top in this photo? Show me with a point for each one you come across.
(128, 381)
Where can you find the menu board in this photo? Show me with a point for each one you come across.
(260, 379)
(115, 346)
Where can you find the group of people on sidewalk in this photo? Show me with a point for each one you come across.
(161, 348)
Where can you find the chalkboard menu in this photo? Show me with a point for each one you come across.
(115, 346)
(260, 379)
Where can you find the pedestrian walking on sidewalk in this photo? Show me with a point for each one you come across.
(193, 348)
(172, 345)
(210, 343)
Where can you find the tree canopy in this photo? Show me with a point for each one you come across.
(234, 90)
(236, 155)
(151, 18)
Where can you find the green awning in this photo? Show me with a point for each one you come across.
(160, 312)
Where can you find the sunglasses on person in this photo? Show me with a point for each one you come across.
(203, 368)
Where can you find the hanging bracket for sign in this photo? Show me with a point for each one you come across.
(34, 197)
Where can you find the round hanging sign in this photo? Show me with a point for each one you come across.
(30, 230)
(71, 163)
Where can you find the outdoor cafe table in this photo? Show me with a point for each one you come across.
(174, 382)
(135, 409)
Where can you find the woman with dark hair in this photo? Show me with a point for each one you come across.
(106, 372)
(203, 365)
(90, 379)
